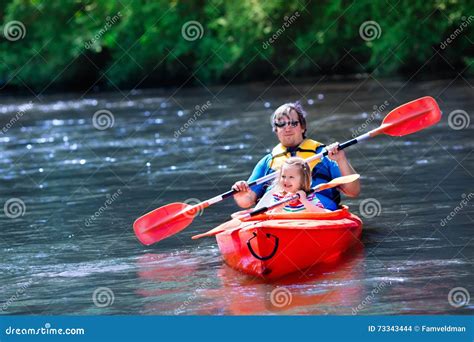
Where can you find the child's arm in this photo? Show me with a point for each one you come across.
(309, 206)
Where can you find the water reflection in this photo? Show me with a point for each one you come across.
(323, 289)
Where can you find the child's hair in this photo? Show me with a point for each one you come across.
(304, 170)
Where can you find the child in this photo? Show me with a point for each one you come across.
(295, 178)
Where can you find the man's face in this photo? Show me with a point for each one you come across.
(288, 135)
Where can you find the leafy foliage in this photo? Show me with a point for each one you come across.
(141, 43)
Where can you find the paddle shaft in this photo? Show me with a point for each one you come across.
(172, 218)
(320, 187)
(362, 137)
(273, 175)
(283, 201)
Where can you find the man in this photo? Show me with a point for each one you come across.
(289, 124)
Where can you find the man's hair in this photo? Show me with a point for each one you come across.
(284, 111)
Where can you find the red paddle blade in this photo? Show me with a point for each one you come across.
(412, 117)
(163, 222)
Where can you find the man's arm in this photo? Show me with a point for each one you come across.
(246, 197)
(351, 189)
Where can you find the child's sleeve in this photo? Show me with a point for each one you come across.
(314, 200)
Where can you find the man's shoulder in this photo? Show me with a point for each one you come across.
(263, 164)
(319, 145)
(265, 159)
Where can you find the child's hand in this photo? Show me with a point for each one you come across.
(302, 194)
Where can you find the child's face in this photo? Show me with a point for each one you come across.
(290, 179)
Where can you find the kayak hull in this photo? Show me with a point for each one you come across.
(272, 246)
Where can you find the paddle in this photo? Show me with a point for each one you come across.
(332, 184)
(172, 218)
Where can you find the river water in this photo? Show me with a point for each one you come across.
(73, 190)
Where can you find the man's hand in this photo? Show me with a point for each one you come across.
(244, 197)
(241, 186)
(334, 153)
(351, 189)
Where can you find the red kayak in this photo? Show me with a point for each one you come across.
(273, 245)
